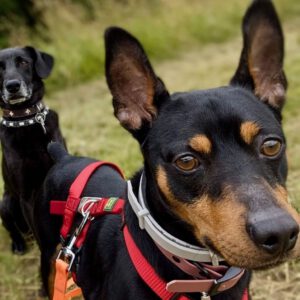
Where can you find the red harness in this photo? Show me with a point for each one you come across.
(94, 207)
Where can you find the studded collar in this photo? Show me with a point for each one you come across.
(35, 114)
(23, 113)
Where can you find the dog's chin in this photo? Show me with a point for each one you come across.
(257, 264)
(256, 261)
(269, 265)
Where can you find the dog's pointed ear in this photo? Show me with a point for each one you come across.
(43, 62)
(137, 92)
(261, 62)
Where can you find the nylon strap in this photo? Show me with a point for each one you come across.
(75, 191)
(63, 284)
(145, 270)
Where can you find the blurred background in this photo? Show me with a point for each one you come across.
(192, 44)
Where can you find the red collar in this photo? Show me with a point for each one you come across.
(93, 207)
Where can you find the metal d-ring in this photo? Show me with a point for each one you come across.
(40, 118)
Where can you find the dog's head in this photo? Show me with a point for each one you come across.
(21, 74)
(217, 156)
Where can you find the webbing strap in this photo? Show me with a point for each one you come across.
(75, 192)
(245, 295)
(145, 270)
(63, 284)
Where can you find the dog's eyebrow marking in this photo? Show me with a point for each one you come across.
(201, 143)
(248, 131)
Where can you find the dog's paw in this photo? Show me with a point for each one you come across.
(18, 247)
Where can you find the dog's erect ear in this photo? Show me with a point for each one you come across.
(261, 62)
(43, 62)
(136, 90)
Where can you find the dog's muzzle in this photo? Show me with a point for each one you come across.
(16, 91)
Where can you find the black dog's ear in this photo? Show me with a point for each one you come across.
(136, 90)
(261, 62)
(43, 62)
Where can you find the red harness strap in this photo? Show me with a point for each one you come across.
(145, 270)
(75, 192)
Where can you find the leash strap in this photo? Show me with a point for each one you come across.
(64, 287)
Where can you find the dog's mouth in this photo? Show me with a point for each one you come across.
(17, 100)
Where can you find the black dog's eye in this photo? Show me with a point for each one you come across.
(187, 163)
(2, 66)
(22, 62)
(271, 148)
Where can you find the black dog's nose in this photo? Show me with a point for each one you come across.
(13, 85)
(276, 235)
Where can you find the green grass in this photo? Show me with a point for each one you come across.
(166, 28)
(196, 63)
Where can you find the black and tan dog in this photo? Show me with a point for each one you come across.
(27, 126)
(214, 169)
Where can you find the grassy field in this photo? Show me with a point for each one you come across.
(73, 33)
(90, 128)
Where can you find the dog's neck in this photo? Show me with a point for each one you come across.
(165, 218)
(162, 212)
(154, 256)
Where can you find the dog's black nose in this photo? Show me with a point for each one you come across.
(13, 85)
(275, 235)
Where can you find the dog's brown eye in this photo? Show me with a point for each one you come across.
(23, 63)
(187, 163)
(271, 148)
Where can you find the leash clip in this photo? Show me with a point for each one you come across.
(40, 118)
(67, 251)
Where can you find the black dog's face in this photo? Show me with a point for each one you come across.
(21, 70)
(217, 157)
(219, 161)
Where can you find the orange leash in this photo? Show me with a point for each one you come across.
(64, 286)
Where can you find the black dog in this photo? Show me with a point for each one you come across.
(214, 170)
(26, 128)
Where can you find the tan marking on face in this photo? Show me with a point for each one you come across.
(223, 222)
(201, 143)
(281, 196)
(248, 131)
